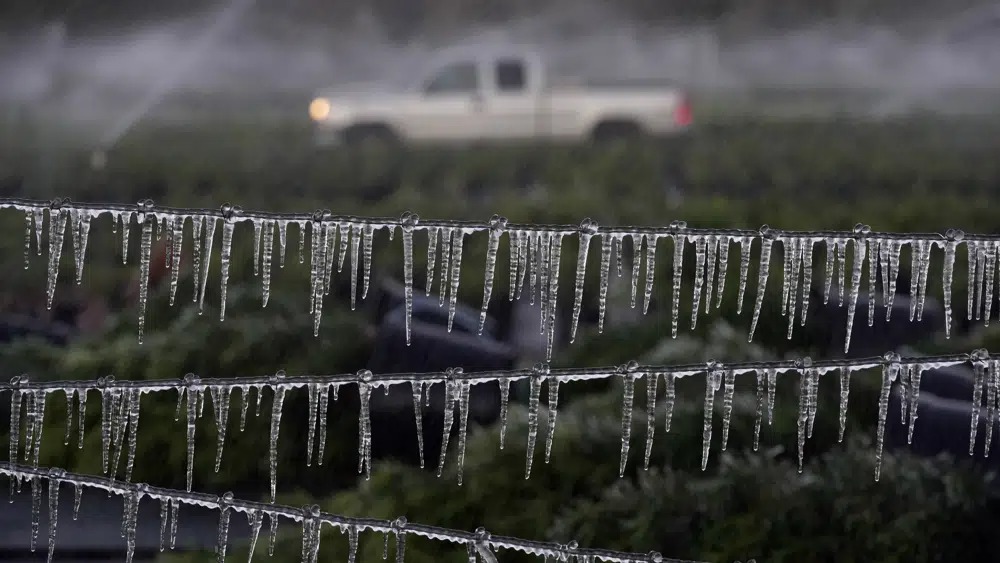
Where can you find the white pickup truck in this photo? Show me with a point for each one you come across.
(495, 95)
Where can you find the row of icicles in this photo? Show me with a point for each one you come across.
(120, 409)
(478, 550)
(535, 257)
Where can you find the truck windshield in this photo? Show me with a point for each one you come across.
(454, 78)
(510, 76)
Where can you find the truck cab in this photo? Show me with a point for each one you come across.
(492, 95)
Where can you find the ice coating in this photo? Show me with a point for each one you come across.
(120, 401)
(531, 254)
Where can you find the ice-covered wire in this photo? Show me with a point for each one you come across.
(534, 257)
(238, 214)
(120, 401)
(479, 540)
(540, 370)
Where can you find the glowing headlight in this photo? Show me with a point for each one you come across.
(319, 109)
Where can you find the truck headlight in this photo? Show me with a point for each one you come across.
(319, 109)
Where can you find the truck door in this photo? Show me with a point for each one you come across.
(451, 105)
(513, 90)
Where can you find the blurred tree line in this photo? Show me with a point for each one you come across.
(414, 17)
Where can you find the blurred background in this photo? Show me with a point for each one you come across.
(809, 115)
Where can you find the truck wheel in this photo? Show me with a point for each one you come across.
(371, 137)
(616, 131)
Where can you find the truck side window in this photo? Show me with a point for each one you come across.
(455, 78)
(510, 75)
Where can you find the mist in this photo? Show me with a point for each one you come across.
(233, 60)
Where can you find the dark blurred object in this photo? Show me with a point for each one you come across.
(883, 336)
(16, 327)
(432, 349)
(942, 426)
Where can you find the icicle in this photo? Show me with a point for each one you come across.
(700, 245)
(176, 248)
(36, 508)
(637, 240)
(554, 261)
(953, 238)
(273, 538)
(120, 428)
(450, 398)
(758, 420)
(258, 231)
(651, 379)
(365, 423)
(57, 229)
(107, 408)
(220, 403)
(344, 229)
(807, 275)
(355, 263)
(418, 390)
(712, 383)
(398, 526)
(193, 394)
(146, 220)
(81, 407)
(723, 266)
(861, 233)
(973, 249)
(513, 242)
(602, 299)
(54, 480)
(628, 374)
(368, 239)
(70, 394)
(222, 539)
(727, 406)
(793, 261)
(276, 403)
(921, 253)
(772, 387)
(282, 241)
(175, 506)
(588, 228)
(456, 271)
(504, 400)
(841, 267)
(324, 401)
(463, 422)
(77, 497)
(266, 263)
(28, 220)
(650, 271)
(15, 424)
(133, 430)
(197, 235)
(256, 519)
(407, 222)
(533, 265)
(873, 265)
(712, 242)
(210, 224)
(991, 262)
(352, 544)
(978, 359)
(540, 373)
(522, 261)
(164, 505)
(746, 245)
(229, 214)
(916, 371)
(890, 369)
(302, 242)
(497, 227)
(845, 391)
(81, 233)
(831, 258)
(766, 241)
(244, 402)
(553, 413)
(804, 367)
(991, 404)
(669, 394)
(432, 242)
(317, 266)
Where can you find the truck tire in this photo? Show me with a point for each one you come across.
(616, 130)
(371, 136)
